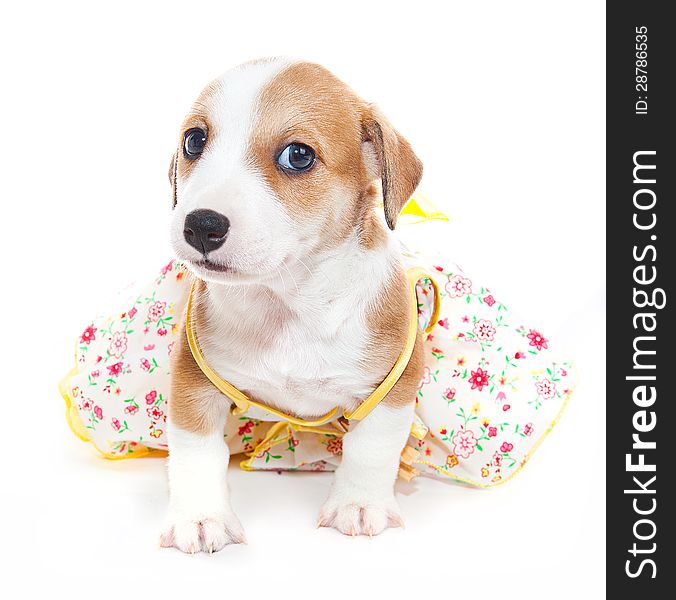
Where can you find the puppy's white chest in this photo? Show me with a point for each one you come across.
(304, 367)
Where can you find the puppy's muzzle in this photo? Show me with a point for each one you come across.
(205, 230)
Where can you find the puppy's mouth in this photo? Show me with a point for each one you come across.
(216, 267)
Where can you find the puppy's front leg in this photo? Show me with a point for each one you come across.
(362, 500)
(200, 516)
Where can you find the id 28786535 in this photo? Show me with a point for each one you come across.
(641, 106)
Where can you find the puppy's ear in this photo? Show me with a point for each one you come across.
(399, 168)
(173, 166)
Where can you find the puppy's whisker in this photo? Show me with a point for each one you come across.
(282, 278)
(295, 283)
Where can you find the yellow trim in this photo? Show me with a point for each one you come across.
(243, 402)
(393, 376)
(437, 305)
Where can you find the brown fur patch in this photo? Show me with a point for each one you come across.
(305, 103)
(197, 117)
(195, 404)
(401, 170)
(388, 323)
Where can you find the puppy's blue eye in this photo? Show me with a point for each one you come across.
(296, 157)
(194, 142)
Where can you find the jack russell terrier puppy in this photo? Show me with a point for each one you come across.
(280, 182)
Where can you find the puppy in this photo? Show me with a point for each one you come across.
(286, 185)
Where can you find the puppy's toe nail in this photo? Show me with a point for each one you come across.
(395, 520)
(325, 519)
(167, 539)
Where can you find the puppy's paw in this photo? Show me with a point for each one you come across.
(207, 534)
(359, 517)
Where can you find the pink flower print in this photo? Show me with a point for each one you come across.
(492, 431)
(132, 312)
(167, 267)
(564, 373)
(479, 379)
(88, 336)
(545, 388)
(145, 364)
(132, 409)
(537, 339)
(444, 323)
(96, 374)
(115, 423)
(154, 413)
(465, 319)
(440, 269)
(156, 311)
(149, 347)
(115, 370)
(335, 446)
(458, 286)
(506, 447)
(484, 330)
(162, 331)
(449, 393)
(98, 412)
(506, 407)
(87, 404)
(151, 397)
(489, 300)
(118, 345)
(497, 459)
(464, 443)
(519, 355)
(528, 428)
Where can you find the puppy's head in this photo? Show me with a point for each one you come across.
(278, 160)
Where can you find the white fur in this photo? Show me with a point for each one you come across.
(310, 352)
(362, 500)
(199, 514)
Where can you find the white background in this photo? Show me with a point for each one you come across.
(503, 102)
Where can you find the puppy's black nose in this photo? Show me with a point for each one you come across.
(205, 230)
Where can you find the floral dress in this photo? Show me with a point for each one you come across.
(491, 390)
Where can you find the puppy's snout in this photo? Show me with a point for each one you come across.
(205, 230)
